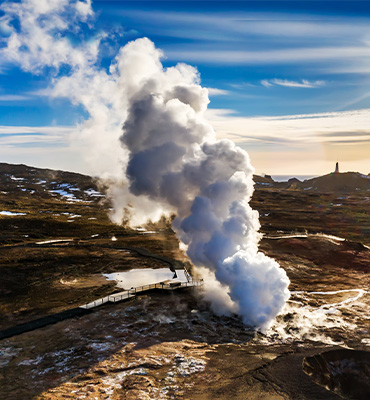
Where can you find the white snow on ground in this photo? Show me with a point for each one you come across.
(16, 179)
(67, 186)
(67, 196)
(63, 193)
(7, 354)
(93, 193)
(287, 236)
(70, 215)
(34, 361)
(30, 191)
(55, 241)
(304, 235)
(330, 237)
(10, 213)
(143, 230)
(40, 182)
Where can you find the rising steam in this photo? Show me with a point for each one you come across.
(170, 160)
(176, 160)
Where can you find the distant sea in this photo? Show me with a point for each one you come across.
(284, 178)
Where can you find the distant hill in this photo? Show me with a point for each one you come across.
(341, 182)
(38, 203)
(46, 182)
(334, 182)
(19, 177)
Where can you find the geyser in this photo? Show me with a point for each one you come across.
(177, 163)
(171, 162)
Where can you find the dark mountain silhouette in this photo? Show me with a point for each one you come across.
(333, 182)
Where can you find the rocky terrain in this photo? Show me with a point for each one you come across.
(56, 242)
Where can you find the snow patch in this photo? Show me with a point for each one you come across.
(10, 213)
(94, 193)
(55, 241)
(16, 179)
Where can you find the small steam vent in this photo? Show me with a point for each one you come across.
(336, 168)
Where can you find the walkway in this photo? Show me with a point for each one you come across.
(113, 298)
(128, 294)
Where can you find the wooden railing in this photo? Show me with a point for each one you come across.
(187, 275)
(127, 294)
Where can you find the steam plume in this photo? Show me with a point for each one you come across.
(170, 159)
(176, 161)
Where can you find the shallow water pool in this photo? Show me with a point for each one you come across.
(141, 277)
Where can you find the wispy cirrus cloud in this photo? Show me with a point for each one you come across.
(14, 97)
(22, 136)
(299, 144)
(294, 129)
(217, 92)
(250, 38)
(232, 25)
(296, 144)
(304, 83)
(293, 55)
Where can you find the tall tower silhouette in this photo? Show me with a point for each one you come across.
(336, 168)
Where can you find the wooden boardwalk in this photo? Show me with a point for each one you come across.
(88, 308)
(128, 294)
(113, 298)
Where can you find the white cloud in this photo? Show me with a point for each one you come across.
(23, 136)
(307, 142)
(266, 83)
(242, 85)
(42, 40)
(303, 128)
(304, 83)
(217, 92)
(297, 55)
(231, 25)
(44, 130)
(36, 44)
(14, 97)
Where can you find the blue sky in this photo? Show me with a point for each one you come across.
(265, 64)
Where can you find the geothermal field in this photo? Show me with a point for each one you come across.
(60, 251)
(170, 269)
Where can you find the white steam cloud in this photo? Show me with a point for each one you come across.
(170, 159)
(176, 161)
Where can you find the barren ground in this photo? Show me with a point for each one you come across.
(161, 346)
